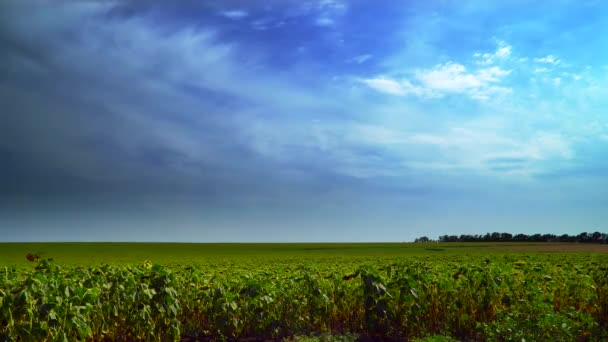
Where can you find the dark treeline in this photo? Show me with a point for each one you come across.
(585, 237)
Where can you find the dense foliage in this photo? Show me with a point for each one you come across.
(595, 237)
(557, 297)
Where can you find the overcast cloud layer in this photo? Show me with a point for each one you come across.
(301, 121)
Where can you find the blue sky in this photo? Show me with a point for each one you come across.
(301, 120)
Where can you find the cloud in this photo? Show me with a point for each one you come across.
(386, 86)
(557, 81)
(393, 87)
(507, 164)
(235, 14)
(474, 147)
(362, 58)
(443, 79)
(328, 12)
(260, 24)
(549, 59)
(453, 77)
(324, 21)
(151, 116)
(503, 51)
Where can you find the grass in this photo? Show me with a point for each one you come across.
(88, 253)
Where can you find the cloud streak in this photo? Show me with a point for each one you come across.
(235, 14)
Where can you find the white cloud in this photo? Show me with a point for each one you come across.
(400, 88)
(362, 58)
(493, 74)
(328, 11)
(324, 21)
(445, 79)
(502, 52)
(333, 5)
(480, 146)
(449, 77)
(452, 77)
(489, 92)
(479, 83)
(547, 145)
(235, 14)
(550, 59)
(475, 147)
(260, 24)
(419, 91)
(385, 85)
(557, 81)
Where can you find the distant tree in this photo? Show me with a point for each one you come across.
(583, 237)
(467, 238)
(536, 238)
(548, 238)
(595, 237)
(506, 237)
(520, 237)
(422, 239)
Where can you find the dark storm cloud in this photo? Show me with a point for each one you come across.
(101, 99)
(88, 105)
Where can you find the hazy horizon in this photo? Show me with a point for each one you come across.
(291, 121)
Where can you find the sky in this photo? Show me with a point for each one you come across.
(301, 121)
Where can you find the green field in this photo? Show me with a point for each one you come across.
(394, 291)
(170, 253)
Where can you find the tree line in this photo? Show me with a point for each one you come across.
(595, 237)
